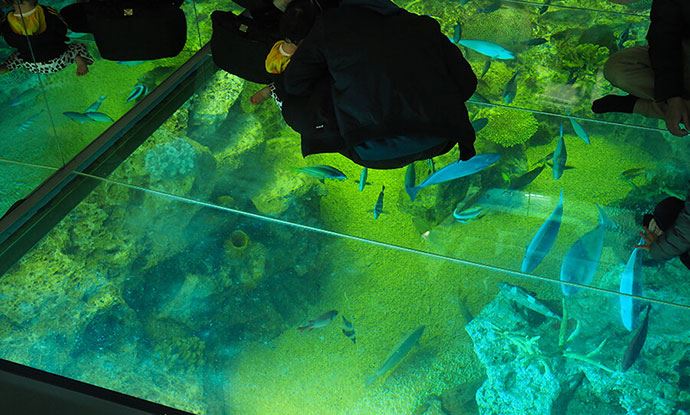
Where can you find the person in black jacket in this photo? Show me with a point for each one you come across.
(39, 35)
(398, 85)
(657, 77)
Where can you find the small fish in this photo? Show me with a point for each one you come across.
(632, 173)
(24, 97)
(479, 124)
(457, 33)
(511, 89)
(138, 92)
(29, 122)
(96, 105)
(635, 347)
(624, 37)
(535, 42)
(582, 259)
(487, 66)
(410, 180)
(487, 48)
(349, 330)
(455, 171)
(490, 8)
(543, 240)
(378, 208)
(77, 117)
(398, 354)
(631, 284)
(543, 9)
(130, 63)
(522, 297)
(319, 322)
(464, 309)
(98, 116)
(323, 172)
(432, 166)
(467, 215)
(560, 157)
(579, 130)
(363, 178)
(526, 178)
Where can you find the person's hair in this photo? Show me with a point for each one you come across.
(665, 213)
(298, 19)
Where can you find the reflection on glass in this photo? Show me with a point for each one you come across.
(207, 310)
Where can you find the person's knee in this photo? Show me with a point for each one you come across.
(614, 67)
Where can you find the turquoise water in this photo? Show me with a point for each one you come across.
(183, 278)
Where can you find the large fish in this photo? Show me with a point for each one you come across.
(581, 262)
(378, 208)
(526, 178)
(319, 322)
(96, 105)
(398, 354)
(457, 32)
(480, 123)
(511, 89)
(456, 170)
(631, 284)
(579, 130)
(560, 156)
(410, 180)
(520, 296)
(323, 172)
(363, 178)
(487, 48)
(77, 117)
(635, 347)
(98, 117)
(543, 241)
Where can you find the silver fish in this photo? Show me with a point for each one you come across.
(635, 347)
(541, 243)
(522, 297)
(96, 105)
(319, 322)
(581, 262)
(631, 284)
(399, 352)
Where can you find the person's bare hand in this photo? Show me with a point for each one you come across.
(649, 238)
(676, 113)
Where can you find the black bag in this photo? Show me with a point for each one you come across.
(136, 30)
(240, 45)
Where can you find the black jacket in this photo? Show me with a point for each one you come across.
(390, 74)
(670, 26)
(45, 46)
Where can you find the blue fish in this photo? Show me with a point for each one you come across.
(543, 241)
(511, 89)
(130, 63)
(77, 117)
(487, 48)
(363, 178)
(467, 215)
(487, 66)
(456, 170)
(581, 262)
(378, 208)
(96, 105)
(526, 178)
(138, 92)
(579, 130)
(457, 32)
(323, 172)
(410, 180)
(98, 117)
(631, 284)
(479, 124)
(29, 122)
(560, 156)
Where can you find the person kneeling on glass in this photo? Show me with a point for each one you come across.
(667, 231)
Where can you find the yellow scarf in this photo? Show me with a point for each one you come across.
(276, 61)
(29, 23)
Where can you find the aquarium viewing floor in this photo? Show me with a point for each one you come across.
(209, 274)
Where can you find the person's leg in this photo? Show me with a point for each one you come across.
(631, 71)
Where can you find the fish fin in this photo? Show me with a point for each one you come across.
(412, 192)
(371, 379)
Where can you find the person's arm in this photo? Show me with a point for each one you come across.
(676, 240)
(308, 65)
(457, 65)
(665, 37)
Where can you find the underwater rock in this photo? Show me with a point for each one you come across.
(601, 35)
(209, 107)
(242, 134)
(170, 160)
(174, 344)
(109, 330)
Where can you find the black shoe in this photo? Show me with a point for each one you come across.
(614, 103)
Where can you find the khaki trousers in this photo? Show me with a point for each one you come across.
(631, 70)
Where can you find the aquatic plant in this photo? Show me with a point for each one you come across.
(507, 127)
(170, 160)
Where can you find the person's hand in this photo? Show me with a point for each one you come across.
(676, 113)
(649, 238)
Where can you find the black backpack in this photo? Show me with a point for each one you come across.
(240, 44)
(138, 30)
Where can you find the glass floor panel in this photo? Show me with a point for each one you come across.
(217, 311)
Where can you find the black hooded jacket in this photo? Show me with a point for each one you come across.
(670, 26)
(390, 74)
(44, 46)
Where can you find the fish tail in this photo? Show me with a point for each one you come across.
(371, 379)
(412, 192)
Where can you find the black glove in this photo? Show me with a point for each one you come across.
(467, 152)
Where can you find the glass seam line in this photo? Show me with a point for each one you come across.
(562, 6)
(587, 120)
(384, 244)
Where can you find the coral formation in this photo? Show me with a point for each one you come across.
(170, 160)
(507, 127)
